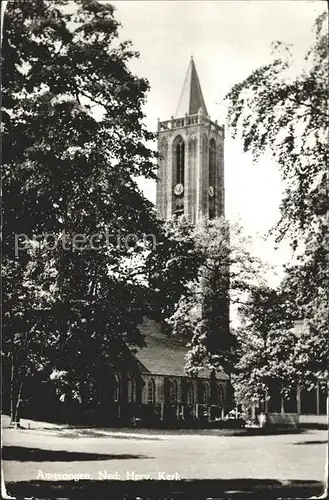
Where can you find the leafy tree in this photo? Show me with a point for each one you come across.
(273, 356)
(288, 115)
(266, 343)
(172, 268)
(73, 143)
(275, 110)
(227, 272)
(30, 293)
(204, 268)
(306, 285)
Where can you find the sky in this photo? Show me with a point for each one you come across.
(228, 40)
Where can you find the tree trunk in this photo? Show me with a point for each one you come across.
(16, 387)
(12, 389)
(84, 392)
(13, 383)
(18, 403)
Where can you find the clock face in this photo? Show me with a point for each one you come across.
(178, 189)
(211, 191)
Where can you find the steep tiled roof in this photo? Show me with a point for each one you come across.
(163, 355)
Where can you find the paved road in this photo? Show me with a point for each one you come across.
(31, 454)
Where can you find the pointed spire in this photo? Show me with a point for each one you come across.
(191, 99)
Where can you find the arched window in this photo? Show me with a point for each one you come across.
(212, 177)
(204, 393)
(178, 175)
(212, 162)
(130, 390)
(179, 157)
(116, 389)
(220, 395)
(173, 392)
(190, 395)
(151, 392)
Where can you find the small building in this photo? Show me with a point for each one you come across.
(304, 406)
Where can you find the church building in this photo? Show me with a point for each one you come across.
(190, 182)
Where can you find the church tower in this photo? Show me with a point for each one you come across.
(191, 163)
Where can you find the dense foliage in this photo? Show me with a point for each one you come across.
(265, 341)
(275, 110)
(73, 143)
(278, 110)
(199, 271)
